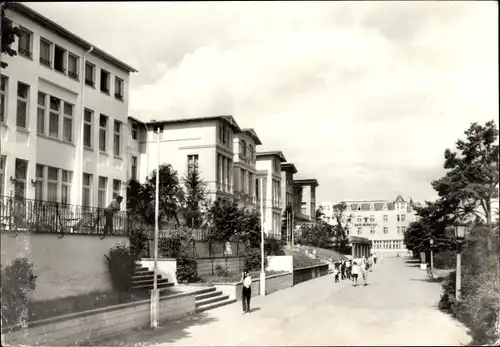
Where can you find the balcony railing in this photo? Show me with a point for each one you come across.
(26, 215)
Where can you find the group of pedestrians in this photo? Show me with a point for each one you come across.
(354, 269)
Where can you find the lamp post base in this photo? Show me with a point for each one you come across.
(155, 308)
(263, 283)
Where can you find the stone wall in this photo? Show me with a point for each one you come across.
(100, 323)
(273, 284)
(72, 265)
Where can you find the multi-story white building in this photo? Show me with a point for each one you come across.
(269, 184)
(245, 143)
(381, 221)
(328, 213)
(308, 199)
(205, 142)
(64, 116)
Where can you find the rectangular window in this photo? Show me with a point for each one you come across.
(386, 230)
(104, 81)
(403, 229)
(403, 218)
(4, 82)
(21, 174)
(52, 184)
(397, 217)
(360, 231)
(86, 190)
(398, 230)
(40, 116)
(23, 91)
(60, 59)
(68, 122)
(101, 198)
(103, 129)
(116, 138)
(67, 179)
(2, 174)
(408, 209)
(134, 168)
(372, 219)
(192, 162)
(73, 66)
(118, 88)
(45, 52)
(24, 48)
(55, 112)
(386, 218)
(135, 130)
(117, 187)
(372, 231)
(89, 74)
(39, 182)
(88, 115)
(242, 181)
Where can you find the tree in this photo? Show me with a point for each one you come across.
(471, 182)
(341, 229)
(9, 34)
(316, 235)
(320, 214)
(226, 220)
(141, 198)
(195, 201)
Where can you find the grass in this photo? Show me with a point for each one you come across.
(74, 304)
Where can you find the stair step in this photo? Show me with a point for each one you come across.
(210, 294)
(144, 277)
(143, 273)
(149, 286)
(215, 305)
(206, 290)
(211, 300)
(146, 281)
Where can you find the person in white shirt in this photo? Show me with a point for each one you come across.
(246, 291)
(109, 212)
(355, 273)
(364, 271)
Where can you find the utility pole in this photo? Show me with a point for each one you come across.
(262, 262)
(155, 299)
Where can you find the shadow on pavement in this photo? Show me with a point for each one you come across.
(430, 280)
(255, 309)
(412, 261)
(169, 331)
(413, 265)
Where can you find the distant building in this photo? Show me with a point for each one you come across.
(269, 173)
(381, 221)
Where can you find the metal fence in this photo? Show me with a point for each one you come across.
(20, 215)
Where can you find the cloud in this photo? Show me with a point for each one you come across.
(363, 96)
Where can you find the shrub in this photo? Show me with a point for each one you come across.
(17, 281)
(222, 272)
(138, 242)
(121, 264)
(445, 260)
(253, 259)
(187, 270)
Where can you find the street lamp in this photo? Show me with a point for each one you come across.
(155, 297)
(460, 236)
(431, 242)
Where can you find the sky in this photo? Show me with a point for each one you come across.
(362, 96)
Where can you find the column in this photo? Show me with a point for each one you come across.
(219, 178)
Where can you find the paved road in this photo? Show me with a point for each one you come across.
(398, 307)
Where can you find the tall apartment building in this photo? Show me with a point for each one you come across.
(308, 199)
(383, 222)
(64, 116)
(269, 184)
(244, 168)
(206, 143)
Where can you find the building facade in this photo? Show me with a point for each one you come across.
(244, 169)
(287, 195)
(269, 185)
(205, 143)
(64, 116)
(308, 199)
(383, 222)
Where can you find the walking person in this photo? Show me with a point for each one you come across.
(246, 291)
(349, 269)
(355, 273)
(336, 272)
(343, 269)
(375, 258)
(109, 212)
(364, 272)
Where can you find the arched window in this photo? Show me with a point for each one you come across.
(243, 148)
(250, 151)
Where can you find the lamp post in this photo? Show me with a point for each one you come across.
(262, 255)
(431, 242)
(460, 236)
(155, 298)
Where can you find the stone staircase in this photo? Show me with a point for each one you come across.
(209, 298)
(143, 278)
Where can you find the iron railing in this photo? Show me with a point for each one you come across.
(21, 215)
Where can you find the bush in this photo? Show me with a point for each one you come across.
(253, 259)
(222, 272)
(121, 264)
(187, 270)
(138, 242)
(479, 306)
(445, 260)
(17, 281)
